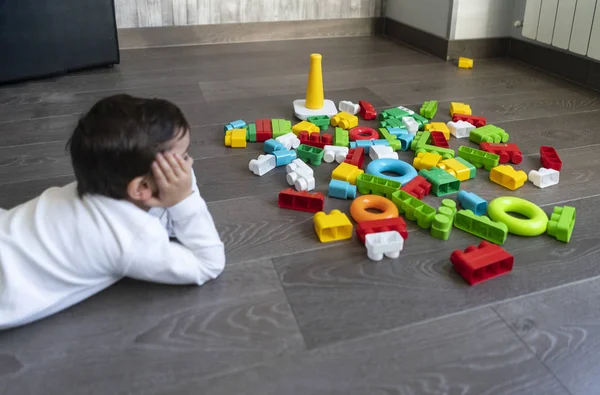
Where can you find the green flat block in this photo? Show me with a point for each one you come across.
(340, 137)
(421, 139)
(368, 184)
(391, 123)
(446, 153)
(429, 108)
(441, 227)
(280, 127)
(562, 222)
(322, 121)
(479, 158)
(251, 132)
(442, 182)
(312, 155)
(414, 209)
(391, 139)
(488, 134)
(392, 113)
(472, 169)
(481, 226)
(422, 121)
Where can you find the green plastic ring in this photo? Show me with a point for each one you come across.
(535, 225)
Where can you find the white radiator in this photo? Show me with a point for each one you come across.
(572, 25)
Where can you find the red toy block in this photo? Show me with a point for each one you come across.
(418, 187)
(473, 120)
(301, 201)
(381, 225)
(356, 157)
(507, 152)
(367, 111)
(264, 131)
(439, 140)
(478, 264)
(315, 139)
(550, 158)
(363, 133)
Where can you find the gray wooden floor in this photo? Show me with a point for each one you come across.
(291, 315)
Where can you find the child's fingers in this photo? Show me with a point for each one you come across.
(159, 175)
(166, 168)
(183, 164)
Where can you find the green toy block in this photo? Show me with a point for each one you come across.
(421, 139)
(446, 153)
(472, 169)
(312, 155)
(562, 222)
(413, 208)
(481, 226)
(322, 121)
(422, 121)
(488, 134)
(391, 139)
(340, 137)
(368, 184)
(393, 113)
(280, 127)
(479, 158)
(391, 123)
(429, 108)
(251, 132)
(442, 182)
(441, 227)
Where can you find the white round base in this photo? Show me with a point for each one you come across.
(302, 112)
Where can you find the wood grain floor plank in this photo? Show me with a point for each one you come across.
(562, 328)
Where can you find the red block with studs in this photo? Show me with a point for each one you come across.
(418, 187)
(356, 157)
(439, 140)
(301, 201)
(507, 152)
(381, 225)
(315, 139)
(478, 264)
(550, 158)
(472, 119)
(264, 130)
(367, 111)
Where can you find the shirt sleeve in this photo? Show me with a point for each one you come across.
(198, 257)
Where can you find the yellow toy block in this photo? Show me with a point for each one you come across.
(344, 120)
(457, 169)
(235, 138)
(438, 127)
(307, 126)
(346, 172)
(460, 108)
(426, 160)
(508, 177)
(333, 226)
(465, 63)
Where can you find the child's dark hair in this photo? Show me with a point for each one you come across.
(118, 139)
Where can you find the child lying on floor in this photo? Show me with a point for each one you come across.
(135, 187)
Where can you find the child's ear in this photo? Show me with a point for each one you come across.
(141, 188)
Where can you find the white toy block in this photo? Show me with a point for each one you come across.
(289, 140)
(349, 107)
(410, 124)
(300, 175)
(384, 243)
(299, 164)
(334, 152)
(543, 177)
(460, 129)
(262, 165)
(408, 110)
(382, 151)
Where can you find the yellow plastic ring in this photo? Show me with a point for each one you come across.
(358, 208)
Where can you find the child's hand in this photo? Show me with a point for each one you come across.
(173, 176)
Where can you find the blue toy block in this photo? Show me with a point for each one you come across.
(397, 131)
(239, 124)
(342, 189)
(470, 201)
(272, 145)
(406, 140)
(366, 144)
(284, 157)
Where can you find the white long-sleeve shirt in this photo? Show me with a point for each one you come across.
(57, 249)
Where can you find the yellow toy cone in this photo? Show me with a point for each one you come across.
(315, 97)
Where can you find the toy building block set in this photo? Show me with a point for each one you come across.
(387, 161)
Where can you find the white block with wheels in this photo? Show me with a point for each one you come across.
(460, 129)
(300, 175)
(410, 124)
(384, 243)
(299, 164)
(382, 151)
(408, 110)
(334, 153)
(349, 107)
(289, 140)
(262, 165)
(543, 177)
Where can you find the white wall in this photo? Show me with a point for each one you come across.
(476, 19)
(432, 16)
